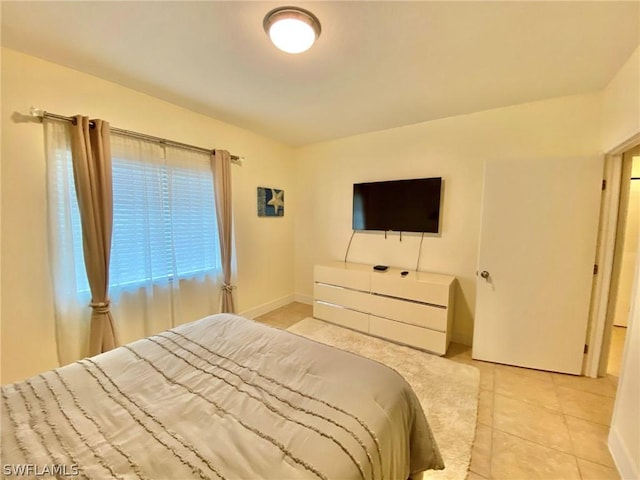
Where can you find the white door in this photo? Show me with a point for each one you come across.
(535, 264)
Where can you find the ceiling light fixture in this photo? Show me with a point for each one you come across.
(292, 29)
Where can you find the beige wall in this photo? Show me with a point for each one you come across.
(455, 149)
(621, 104)
(264, 245)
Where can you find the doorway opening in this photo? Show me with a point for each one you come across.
(617, 254)
(625, 256)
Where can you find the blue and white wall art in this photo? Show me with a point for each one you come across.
(270, 202)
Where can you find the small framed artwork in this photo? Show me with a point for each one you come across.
(270, 202)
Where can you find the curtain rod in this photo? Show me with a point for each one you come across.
(39, 113)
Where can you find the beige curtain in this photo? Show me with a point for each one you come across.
(91, 153)
(221, 167)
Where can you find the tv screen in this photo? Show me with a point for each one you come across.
(399, 205)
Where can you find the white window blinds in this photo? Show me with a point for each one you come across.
(164, 222)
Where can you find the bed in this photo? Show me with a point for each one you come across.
(223, 398)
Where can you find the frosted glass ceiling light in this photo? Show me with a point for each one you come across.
(292, 29)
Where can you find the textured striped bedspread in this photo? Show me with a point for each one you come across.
(221, 398)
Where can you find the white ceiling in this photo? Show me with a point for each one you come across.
(377, 65)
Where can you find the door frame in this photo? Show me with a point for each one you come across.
(600, 315)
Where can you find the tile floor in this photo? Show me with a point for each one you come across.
(531, 424)
(286, 316)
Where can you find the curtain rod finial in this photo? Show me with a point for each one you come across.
(36, 112)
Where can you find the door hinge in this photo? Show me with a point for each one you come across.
(595, 269)
(586, 348)
(604, 184)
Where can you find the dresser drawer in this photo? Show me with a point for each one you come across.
(423, 338)
(344, 297)
(433, 293)
(358, 280)
(427, 316)
(341, 316)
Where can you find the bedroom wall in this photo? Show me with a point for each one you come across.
(454, 148)
(621, 104)
(264, 245)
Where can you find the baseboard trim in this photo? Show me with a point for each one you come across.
(622, 457)
(299, 297)
(267, 307)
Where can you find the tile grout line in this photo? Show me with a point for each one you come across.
(580, 390)
(534, 404)
(493, 419)
(571, 454)
(564, 419)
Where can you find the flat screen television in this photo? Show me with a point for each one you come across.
(398, 205)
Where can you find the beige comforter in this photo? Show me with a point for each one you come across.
(223, 397)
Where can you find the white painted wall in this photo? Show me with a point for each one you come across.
(621, 104)
(624, 435)
(621, 121)
(454, 148)
(264, 245)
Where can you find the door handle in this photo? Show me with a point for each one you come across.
(484, 274)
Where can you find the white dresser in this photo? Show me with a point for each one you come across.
(416, 309)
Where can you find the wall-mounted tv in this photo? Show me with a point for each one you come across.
(398, 205)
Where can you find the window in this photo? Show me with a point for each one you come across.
(164, 222)
(165, 266)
